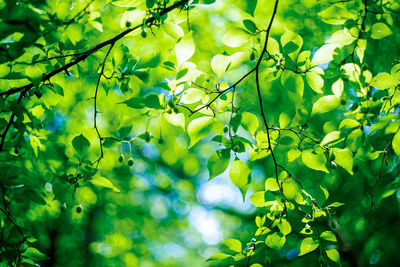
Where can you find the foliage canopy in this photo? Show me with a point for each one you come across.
(158, 132)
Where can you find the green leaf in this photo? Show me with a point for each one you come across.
(330, 137)
(328, 235)
(184, 49)
(80, 143)
(199, 128)
(338, 87)
(380, 30)
(250, 25)
(134, 102)
(284, 120)
(325, 104)
(34, 196)
(150, 3)
(219, 257)
(192, 95)
(239, 173)
(276, 240)
(236, 38)
(233, 244)
(290, 47)
(176, 119)
(333, 254)
(293, 154)
(314, 161)
(258, 199)
(324, 54)
(152, 101)
(293, 82)
(104, 182)
(396, 143)
(284, 227)
(271, 185)
(220, 64)
(249, 122)
(181, 73)
(296, 39)
(337, 14)
(35, 254)
(344, 158)
(218, 162)
(315, 81)
(308, 245)
(336, 204)
(383, 80)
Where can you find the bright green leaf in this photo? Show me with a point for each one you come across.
(308, 245)
(333, 254)
(328, 235)
(233, 244)
(104, 182)
(325, 104)
(218, 162)
(344, 158)
(380, 30)
(276, 240)
(239, 173)
(314, 161)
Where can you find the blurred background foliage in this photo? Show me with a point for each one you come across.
(163, 211)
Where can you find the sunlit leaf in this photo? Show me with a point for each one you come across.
(380, 30)
(218, 162)
(199, 128)
(333, 254)
(308, 245)
(104, 182)
(325, 104)
(314, 161)
(239, 173)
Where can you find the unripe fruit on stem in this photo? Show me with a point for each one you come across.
(171, 103)
(226, 129)
(144, 33)
(147, 137)
(333, 165)
(121, 158)
(128, 23)
(176, 110)
(79, 209)
(130, 161)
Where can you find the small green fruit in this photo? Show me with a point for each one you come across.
(226, 129)
(128, 23)
(333, 165)
(176, 110)
(144, 33)
(160, 140)
(130, 161)
(121, 158)
(79, 209)
(343, 102)
(147, 137)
